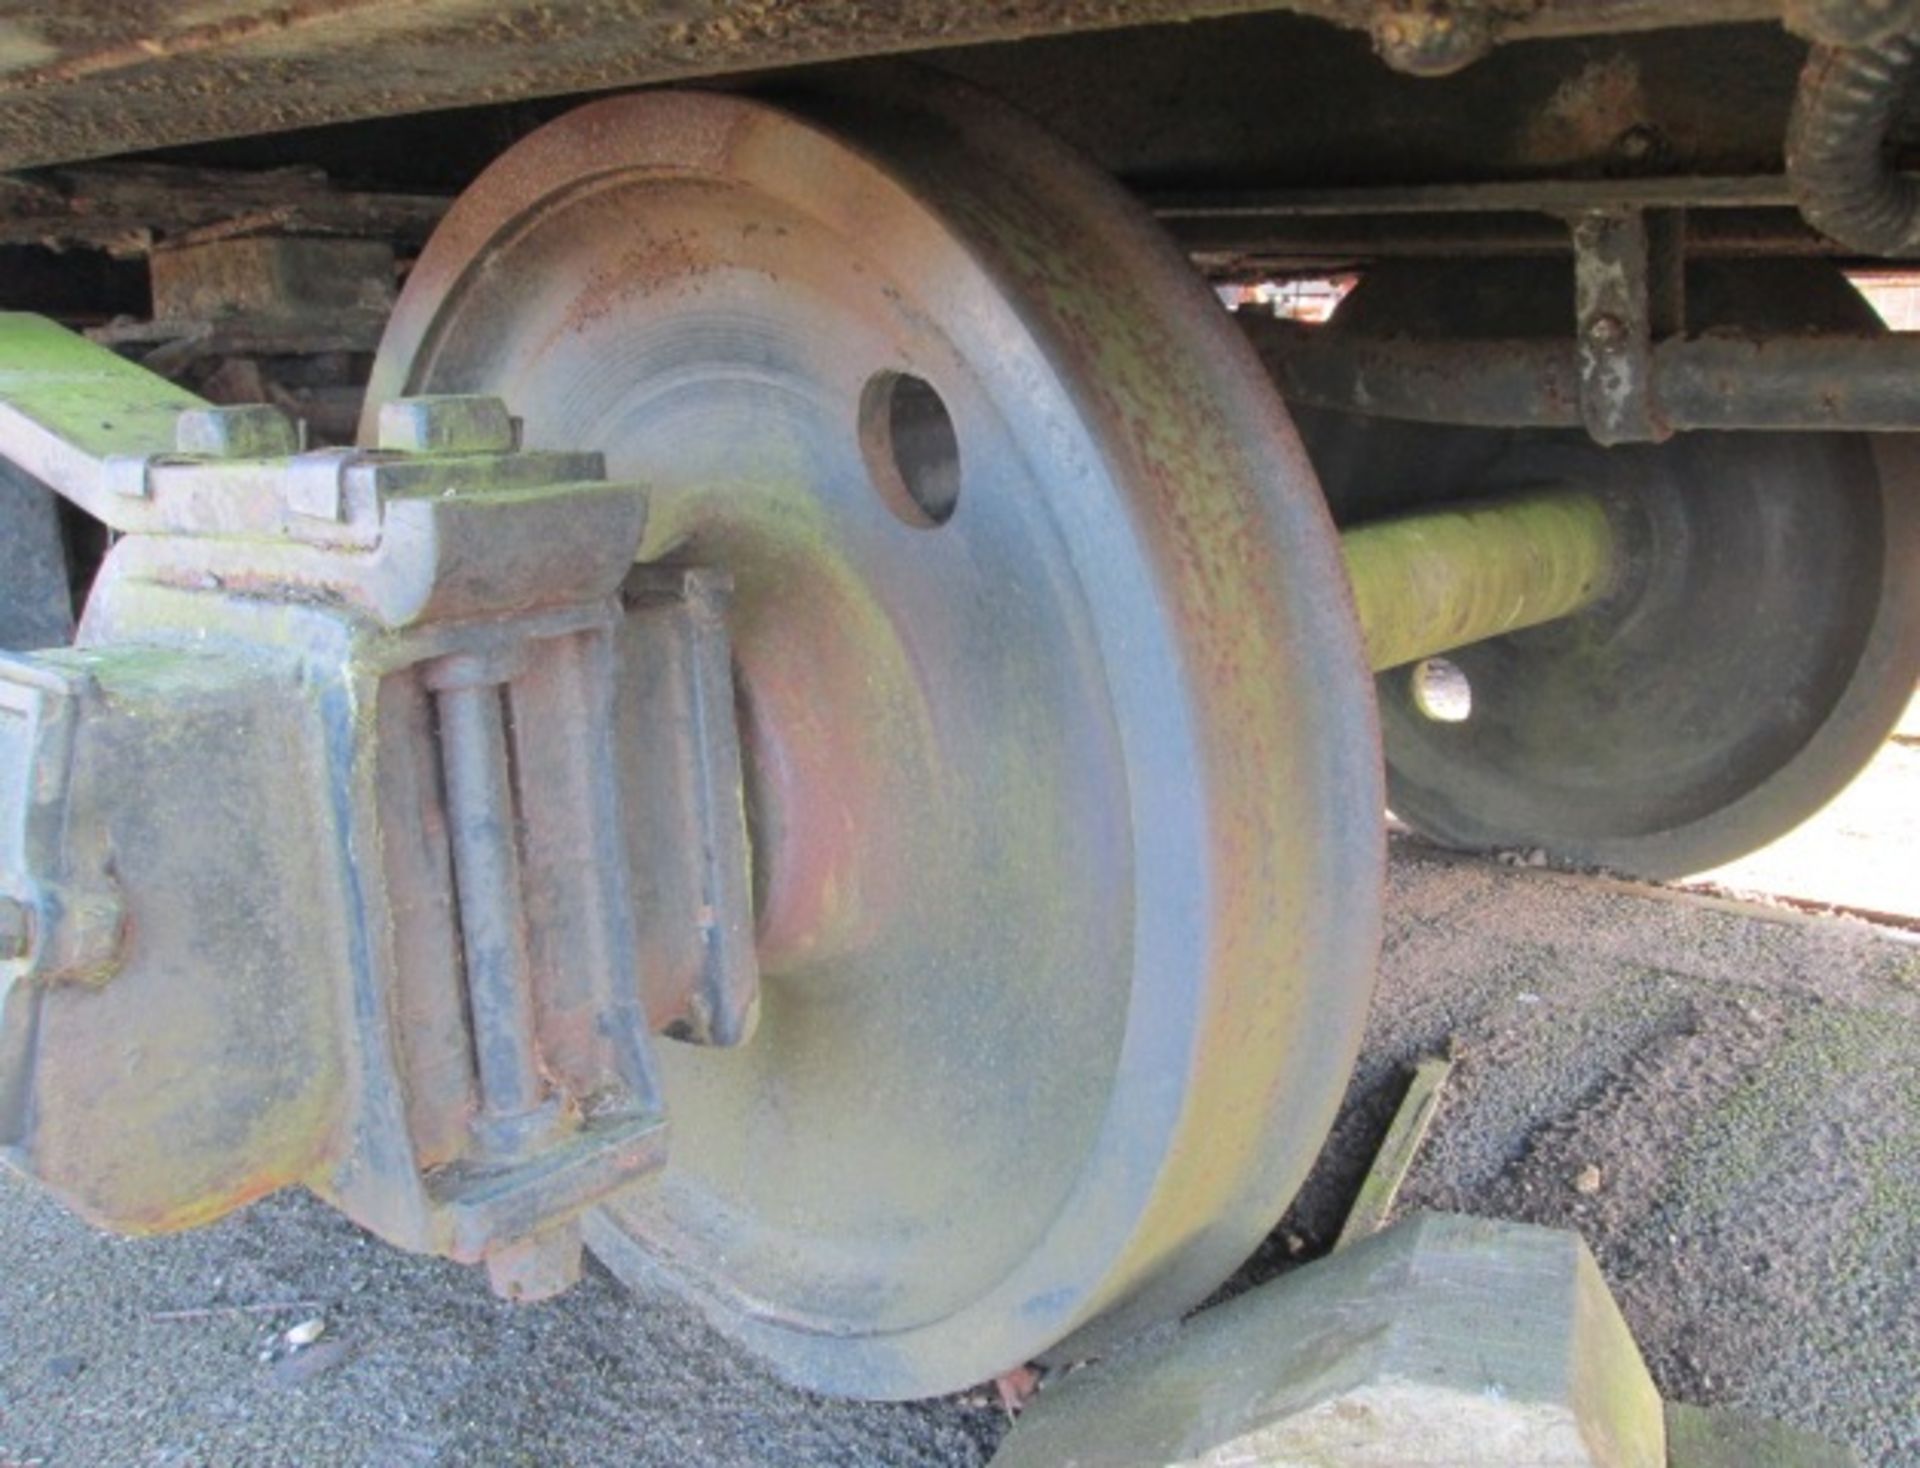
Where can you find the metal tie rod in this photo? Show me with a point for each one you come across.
(1861, 384)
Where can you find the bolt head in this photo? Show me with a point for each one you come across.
(1637, 143)
(1606, 329)
(250, 431)
(1432, 37)
(447, 424)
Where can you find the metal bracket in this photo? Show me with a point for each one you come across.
(378, 842)
(64, 908)
(1614, 327)
(316, 485)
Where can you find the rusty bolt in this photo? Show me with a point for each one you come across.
(16, 930)
(447, 424)
(1432, 37)
(1638, 143)
(252, 431)
(1604, 330)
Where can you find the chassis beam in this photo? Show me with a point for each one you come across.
(1773, 384)
(110, 79)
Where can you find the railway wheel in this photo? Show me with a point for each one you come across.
(1063, 772)
(1759, 648)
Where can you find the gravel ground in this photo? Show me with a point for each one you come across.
(1747, 1084)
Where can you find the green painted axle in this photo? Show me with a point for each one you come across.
(1430, 582)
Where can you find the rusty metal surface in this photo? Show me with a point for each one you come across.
(688, 839)
(137, 211)
(1613, 328)
(1253, 250)
(1277, 230)
(1228, 111)
(1278, 103)
(312, 847)
(111, 76)
(1556, 196)
(1064, 894)
(1712, 382)
(1837, 143)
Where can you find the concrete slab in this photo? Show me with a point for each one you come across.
(1442, 1342)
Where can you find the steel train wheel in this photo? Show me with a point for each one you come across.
(1759, 652)
(1063, 784)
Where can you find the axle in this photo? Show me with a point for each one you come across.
(1432, 581)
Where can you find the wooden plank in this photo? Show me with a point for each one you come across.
(1391, 1164)
(125, 208)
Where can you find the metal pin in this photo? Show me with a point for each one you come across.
(486, 864)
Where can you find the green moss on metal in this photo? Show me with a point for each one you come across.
(1427, 583)
(99, 403)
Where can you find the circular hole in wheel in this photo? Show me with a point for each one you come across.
(911, 449)
(1441, 690)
